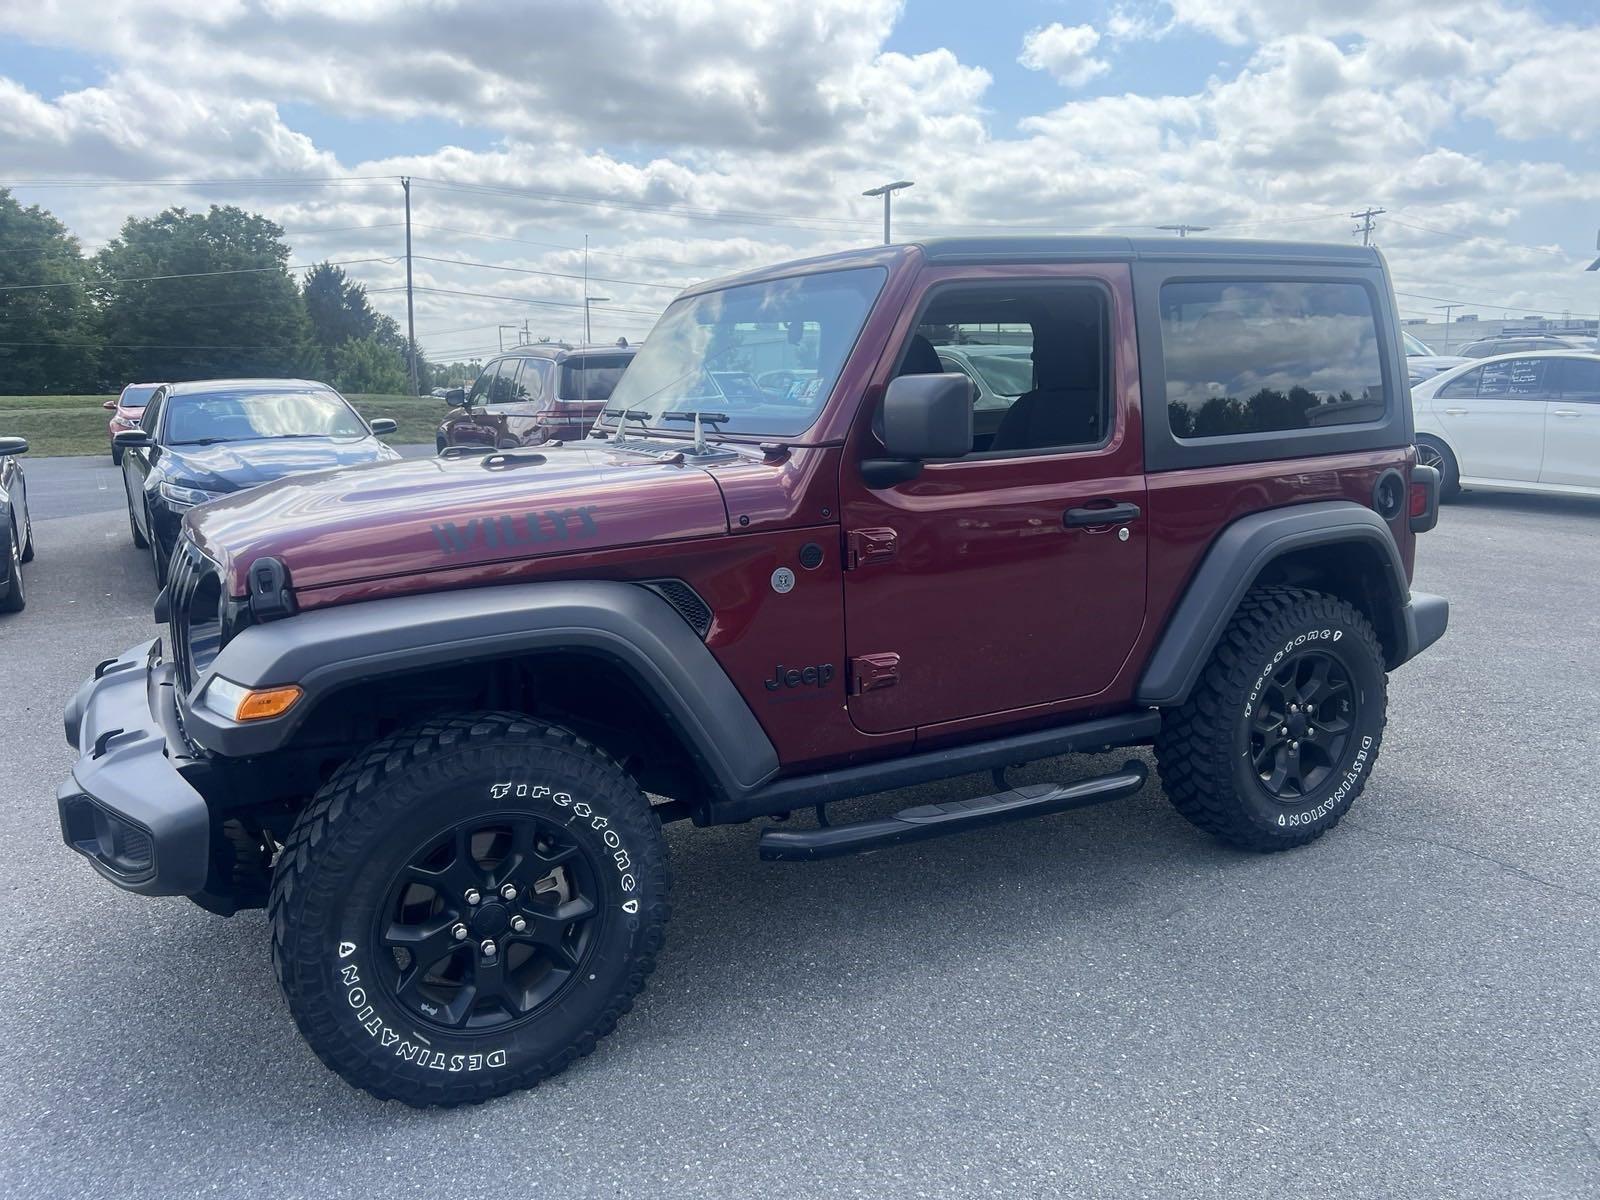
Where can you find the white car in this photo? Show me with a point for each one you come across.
(1515, 422)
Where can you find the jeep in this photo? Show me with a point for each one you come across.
(432, 715)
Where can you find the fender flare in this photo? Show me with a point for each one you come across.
(326, 649)
(1235, 561)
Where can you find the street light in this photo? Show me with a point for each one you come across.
(588, 300)
(886, 191)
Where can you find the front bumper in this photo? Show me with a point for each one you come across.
(127, 807)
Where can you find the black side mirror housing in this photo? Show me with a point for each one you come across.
(924, 417)
(456, 397)
(382, 425)
(13, 445)
(125, 439)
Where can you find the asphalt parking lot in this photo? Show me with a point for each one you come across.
(1101, 1003)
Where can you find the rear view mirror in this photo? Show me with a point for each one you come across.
(110, 406)
(456, 397)
(13, 445)
(127, 438)
(382, 425)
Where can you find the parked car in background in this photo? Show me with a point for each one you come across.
(1517, 422)
(1422, 363)
(125, 412)
(533, 394)
(197, 441)
(16, 527)
(1000, 372)
(1523, 344)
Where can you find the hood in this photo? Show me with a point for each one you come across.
(1426, 366)
(418, 515)
(235, 466)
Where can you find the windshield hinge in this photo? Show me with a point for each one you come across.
(869, 672)
(863, 546)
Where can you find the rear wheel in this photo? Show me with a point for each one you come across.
(15, 599)
(1431, 452)
(467, 908)
(1279, 735)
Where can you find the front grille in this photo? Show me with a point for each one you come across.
(686, 600)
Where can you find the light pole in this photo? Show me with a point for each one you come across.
(1448, 309)
(886, 191)
(1595, 266)
(588, 300)
(1184, 230)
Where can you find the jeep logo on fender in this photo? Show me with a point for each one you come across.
(794, 677)
(509, 531)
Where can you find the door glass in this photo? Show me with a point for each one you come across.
(1577, 378)
(484, 384)
(1513, 378)
(1463, 387)
(151, 420)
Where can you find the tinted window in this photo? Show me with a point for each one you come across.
(1462, 386)
(136, 397)
(593, 377)
(1514, 378)
(484, 383)
(1577, 376)
(152, 415)
(240, 416)
(1256, 357)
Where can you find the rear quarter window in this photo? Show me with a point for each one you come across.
(1264, 356)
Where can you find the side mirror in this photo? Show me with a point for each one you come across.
(924, 416)
(127, 439)
(382, 425)
(13, 445)
(110, 406)
(456, 397)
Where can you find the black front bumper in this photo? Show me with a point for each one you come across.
(127, 807)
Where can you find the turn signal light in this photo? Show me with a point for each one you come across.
(268, 702)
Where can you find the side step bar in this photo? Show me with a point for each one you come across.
(956, 816)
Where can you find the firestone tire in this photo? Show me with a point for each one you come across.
(1238, 763)
(345, 886)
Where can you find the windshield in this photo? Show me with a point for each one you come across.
(244, 415)
(762, 357)
(134, 396)
(1006, 370)
(1414, 348)
(593, 377)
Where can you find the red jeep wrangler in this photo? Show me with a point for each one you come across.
(434, 714)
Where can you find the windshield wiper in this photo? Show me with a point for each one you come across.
(696, 414)
(205, 441)
(627, 414)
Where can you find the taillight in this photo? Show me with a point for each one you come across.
(1422, 498)
(1419, 498)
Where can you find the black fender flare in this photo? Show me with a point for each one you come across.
(1236, 559)
(326, 649)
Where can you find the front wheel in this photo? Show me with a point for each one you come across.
(467, 907)
(1279, 735)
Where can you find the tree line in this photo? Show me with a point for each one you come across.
(184, 295)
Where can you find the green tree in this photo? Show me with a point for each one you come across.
(47, 333)
(191, 296)
(368, 365)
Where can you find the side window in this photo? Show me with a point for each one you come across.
(1463, 387)
(1258, 356)
(151, 421)
(1513, 379)
(533, 382)
(1577, 378)
(1040, 355)
(483, 385)
(503, 387)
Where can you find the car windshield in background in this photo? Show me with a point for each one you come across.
(137, 397)
(1007, 370)
(762, 355)
(1415, 348)
(245, 415)
(593, 377)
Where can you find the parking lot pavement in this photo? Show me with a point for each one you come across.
(1100, 1003)
(77, 484)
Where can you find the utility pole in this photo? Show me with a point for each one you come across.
(1595, 266)
(886, 191)
(1184, 230)
(411, 319)
(1448, 309)
(1365, 228)
(588, 300)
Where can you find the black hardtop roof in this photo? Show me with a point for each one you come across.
(1024, 248)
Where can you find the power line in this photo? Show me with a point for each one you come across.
(461, 262)
(22, 287)
(510, 299)
(500, 237)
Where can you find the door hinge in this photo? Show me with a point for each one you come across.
(864, 546)
(869, 672)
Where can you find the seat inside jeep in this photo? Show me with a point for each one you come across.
(1038, 356)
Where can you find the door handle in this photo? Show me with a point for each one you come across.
(1456, 412)
(1564, 412)
(1114, 514)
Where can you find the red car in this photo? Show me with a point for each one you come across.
(534, 394)
(125, 412)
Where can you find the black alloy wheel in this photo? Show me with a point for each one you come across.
(487, 924)
(1302, 725)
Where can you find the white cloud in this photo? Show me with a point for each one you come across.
(1067, 52)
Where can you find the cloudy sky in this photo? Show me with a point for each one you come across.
(687, 138)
